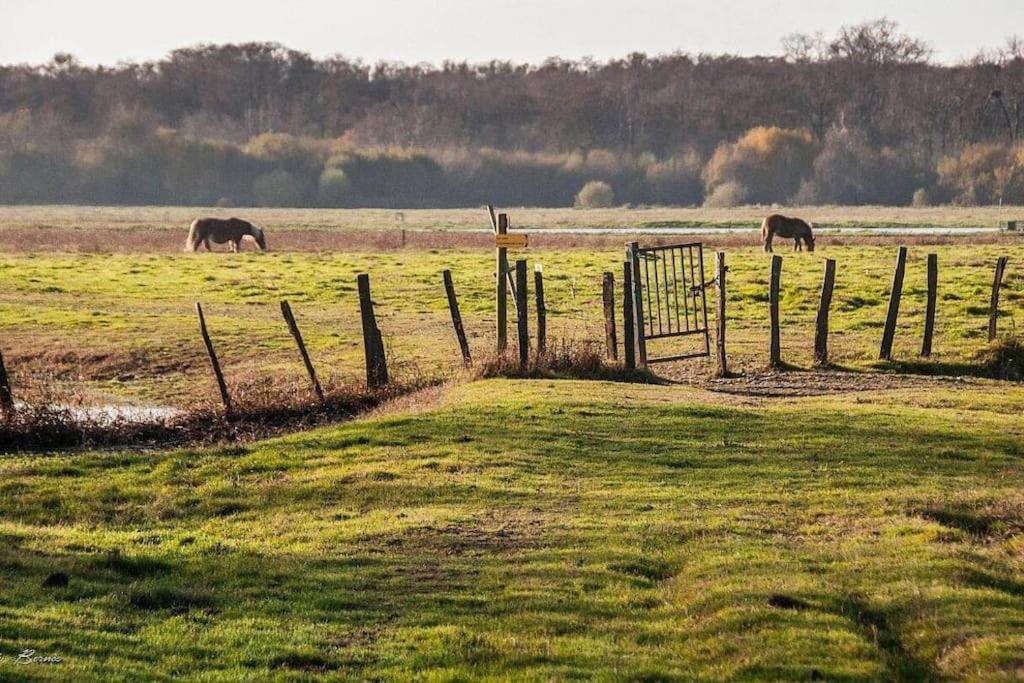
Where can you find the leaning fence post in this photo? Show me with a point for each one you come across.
(6, 397)
(373, 346)
(522, 314)
(542, 311)
(224, 397)
(720, 271)
(633, 253)
(453, 308)
(885, 352)
(608, 295)
(628, 338)
(821, 324)
(286, 311)
(775, 345)
(929, 314)
(993, 307)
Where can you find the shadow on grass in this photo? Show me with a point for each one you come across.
(1002, 358)
(878, 627)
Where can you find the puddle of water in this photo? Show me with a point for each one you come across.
(110, 414)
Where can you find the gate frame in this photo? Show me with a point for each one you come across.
(634, 254)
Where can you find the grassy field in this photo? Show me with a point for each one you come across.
(503, 529)
(275, 220)
(122, 327)
(539, 530)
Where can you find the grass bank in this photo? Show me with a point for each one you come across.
(539, 530)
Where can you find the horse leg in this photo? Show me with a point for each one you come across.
(207, 243)
(796, 244)
(768, 243)
(234, 246)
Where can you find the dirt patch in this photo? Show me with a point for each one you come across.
(497, 532)
(785, 384)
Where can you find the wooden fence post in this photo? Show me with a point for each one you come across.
(286, 311)
(929, 313)
(720, 271)
(501, 266)
(453, 308)
(608, 294)
(885, 352)
(821, 324)
(542, 311)
(993, 307)
(628, 339)
(221, 384)
(522, 313)
(373, 344)
(775, 344)
(633, 254)
(6, 397)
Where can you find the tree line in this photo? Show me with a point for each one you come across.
(861, 117)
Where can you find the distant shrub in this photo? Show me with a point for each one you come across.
(391, 177)
(726, 195)
(278, 188)
(335, 188)
(921, 198)
(596, 194)
(769, 162)
(293, 153)
(984, 174)
(807, 195)
(675, 181)
(849, 171)
(842, 171)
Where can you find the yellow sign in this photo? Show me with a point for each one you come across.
(517, 240)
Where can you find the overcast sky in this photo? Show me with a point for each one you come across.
(108, 31)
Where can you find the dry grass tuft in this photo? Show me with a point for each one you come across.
(1003, 359)
(563, 359)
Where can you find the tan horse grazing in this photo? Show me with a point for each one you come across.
(219, 230)
(795, 228)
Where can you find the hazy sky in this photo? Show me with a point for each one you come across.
(107, 31)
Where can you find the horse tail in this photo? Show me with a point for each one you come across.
(192, 241)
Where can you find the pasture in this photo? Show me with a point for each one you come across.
(116, 325)
(868, 526)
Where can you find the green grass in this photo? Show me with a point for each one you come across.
(123, 325)
(539, 530)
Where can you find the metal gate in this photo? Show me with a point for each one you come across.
(668, 296)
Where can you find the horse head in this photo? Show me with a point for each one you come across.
(257, 234)
(809, 238)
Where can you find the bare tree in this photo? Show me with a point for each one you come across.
(878, 42)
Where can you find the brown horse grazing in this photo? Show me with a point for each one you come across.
(219, 230)
(795, 228)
